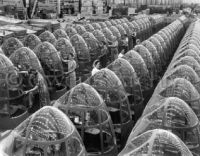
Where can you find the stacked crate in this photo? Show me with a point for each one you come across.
(86, 9)
(76, 5)
(99, 7)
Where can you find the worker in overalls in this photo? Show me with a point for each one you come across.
(96, 67)
(134, 38)
(104, 54)
(125, 45)
(71, 64)
(114, 48)
(138, 41)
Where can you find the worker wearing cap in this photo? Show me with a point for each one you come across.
(104, 54)
(96, 67)
(138, 41)
(71, 65)
(134, 38)
(125, 42)
(114, 48)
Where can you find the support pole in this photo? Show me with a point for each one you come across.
(34, 7)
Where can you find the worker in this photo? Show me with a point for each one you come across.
(134, 38)
(96, 67)
(71, 64)
(71, 67)
(121, 54)
(125, 41)
(138, 42)
(7, 141)
(104, 53)
(114, 48)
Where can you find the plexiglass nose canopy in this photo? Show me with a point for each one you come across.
(152, 49)
(70, 31)
(115, 32)
(10, 90)
(25, 59)
(140, 67)
(111, 89)
(89, 114)
(31, 41)
(100, 36)
(185, 71)
(82, 96)
(48, 132)
(10, 45)
(49, 58)
(92, 43)
(156, 143)
(80, 29)
(65, 48)
(171, 114)
(125, 72)
(89, 27)
(81, 47)
(47, 36)
(105, 81)
(183, 89)
(147, 57)
(59, 33)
